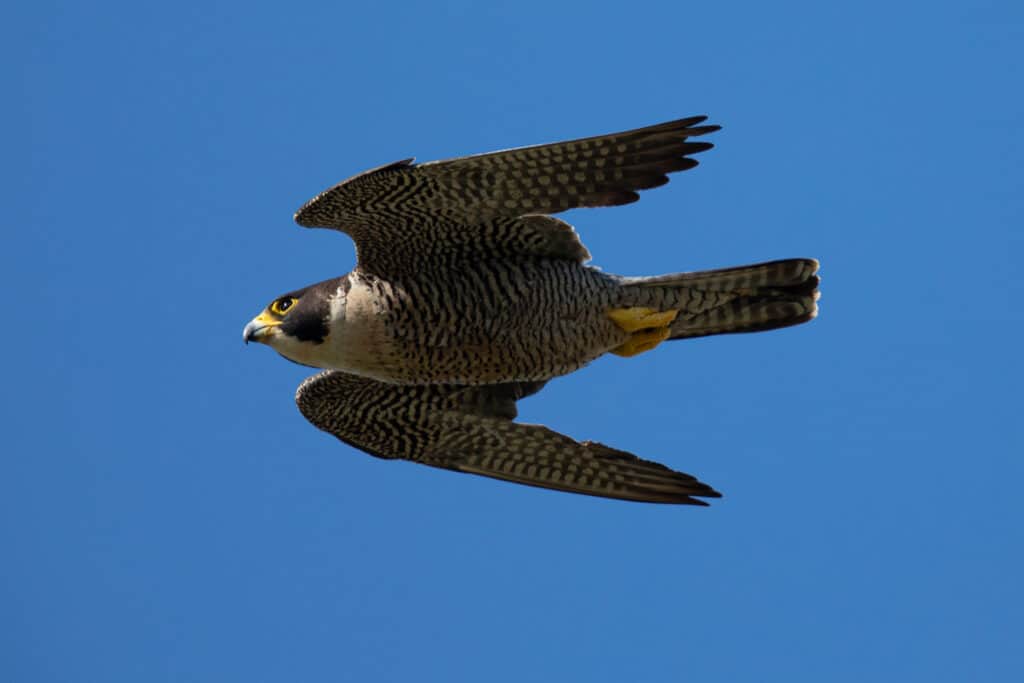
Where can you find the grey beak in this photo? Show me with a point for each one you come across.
(250, 331)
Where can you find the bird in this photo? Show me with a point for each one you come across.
(469, 295)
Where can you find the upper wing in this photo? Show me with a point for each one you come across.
(398, 212)
(470, 429)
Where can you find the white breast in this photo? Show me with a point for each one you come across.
(356, 341)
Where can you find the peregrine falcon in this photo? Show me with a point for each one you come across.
(468, 295)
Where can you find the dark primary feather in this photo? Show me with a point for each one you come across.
(470, 429)
(396, 213)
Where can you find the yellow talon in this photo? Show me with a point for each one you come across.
(648, 327)
(641, 318)
(639, 342)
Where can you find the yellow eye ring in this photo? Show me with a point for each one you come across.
(281, 306)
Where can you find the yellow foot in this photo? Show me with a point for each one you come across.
(639, 342)
(648, 327)
(641, 318)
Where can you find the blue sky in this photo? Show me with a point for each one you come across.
(167, 514)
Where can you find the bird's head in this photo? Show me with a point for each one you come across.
(297, 324)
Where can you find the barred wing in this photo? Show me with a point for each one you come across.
(395, 212)
(470, 429)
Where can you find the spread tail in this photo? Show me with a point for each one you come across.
(762, 296)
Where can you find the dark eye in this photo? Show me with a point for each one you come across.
(281, 306)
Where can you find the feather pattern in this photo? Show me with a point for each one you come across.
(470, 429)
(402, 214)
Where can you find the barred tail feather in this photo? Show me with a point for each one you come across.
(758, 297)
(747, 314)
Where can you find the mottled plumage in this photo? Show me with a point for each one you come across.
(464, 281)
(470, 429)
(404, 216)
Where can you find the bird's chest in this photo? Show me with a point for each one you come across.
(478, 304)
(359, 338)
(474, 324)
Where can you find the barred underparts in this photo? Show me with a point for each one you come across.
(468, 296)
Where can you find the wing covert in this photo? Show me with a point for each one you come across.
(401, 212)
(470, 429)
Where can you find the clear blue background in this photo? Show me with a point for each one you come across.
(167, 514)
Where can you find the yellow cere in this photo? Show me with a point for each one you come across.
(268, 319)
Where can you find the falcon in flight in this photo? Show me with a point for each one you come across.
(468, 296)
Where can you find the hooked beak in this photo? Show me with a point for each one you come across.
(259, 328)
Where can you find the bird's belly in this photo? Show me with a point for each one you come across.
(498, 323)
